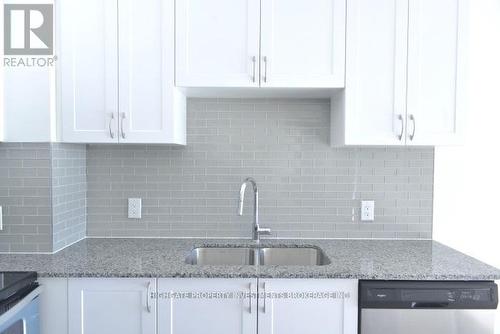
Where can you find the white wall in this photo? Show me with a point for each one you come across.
(467, 178)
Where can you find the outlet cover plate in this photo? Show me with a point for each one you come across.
(367, 211)
(135, 208)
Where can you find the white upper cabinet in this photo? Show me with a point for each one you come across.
(122, 306)
(27, 113)
(217, 43)
(181, 312)
(117, 74)
(436, 61)
(375, 105)
(333, 312)
(150, 109)
(268, 43)
(88, 77)
(303, 43)
(404, 74)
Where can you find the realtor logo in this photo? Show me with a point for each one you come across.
(28, 29)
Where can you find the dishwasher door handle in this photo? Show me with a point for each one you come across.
(429, 305)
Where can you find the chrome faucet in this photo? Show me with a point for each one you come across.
(257, 230)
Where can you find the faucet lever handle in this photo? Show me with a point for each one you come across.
(263, 230)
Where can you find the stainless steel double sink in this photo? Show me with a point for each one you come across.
(237, 256)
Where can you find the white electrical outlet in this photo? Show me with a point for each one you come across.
(1, 219)
(367, 211)
(135, 208)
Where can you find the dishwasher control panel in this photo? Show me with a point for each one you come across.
(425, 294)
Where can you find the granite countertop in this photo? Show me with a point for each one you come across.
(357, 259)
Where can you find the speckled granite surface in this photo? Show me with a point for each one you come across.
(360, 259)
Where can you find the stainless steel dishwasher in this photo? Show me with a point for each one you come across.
(426, 307)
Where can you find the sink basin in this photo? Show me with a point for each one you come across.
(221, 256)
(307, 256)
(286, 256)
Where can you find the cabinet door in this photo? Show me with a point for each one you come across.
(436, 64)
(303, 43)
(88, 78)
(297, 306)
(375, 93)
(200, 306)
(217, 43)
(122, 306)
(146, 73)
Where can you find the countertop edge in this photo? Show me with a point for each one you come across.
(408, 260)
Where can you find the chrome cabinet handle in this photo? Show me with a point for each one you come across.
(412, 118)
(148, 306)
(400, 136)
(121, 125)
(264, 298)
(111, 133)
(254, 61)
(250, 299)
(265, 69)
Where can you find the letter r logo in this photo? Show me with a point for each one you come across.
(28, 29)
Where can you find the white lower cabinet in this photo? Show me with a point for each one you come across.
(198, 306)
(54, 306)
(283, 306)
(297, 306)
(99, 305)
(201, 306)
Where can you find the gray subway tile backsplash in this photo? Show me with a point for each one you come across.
(25, 197)
(43, 195)
(307, 188)
(69, 193)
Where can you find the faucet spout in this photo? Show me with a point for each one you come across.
(257, 230)
(242, 198)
